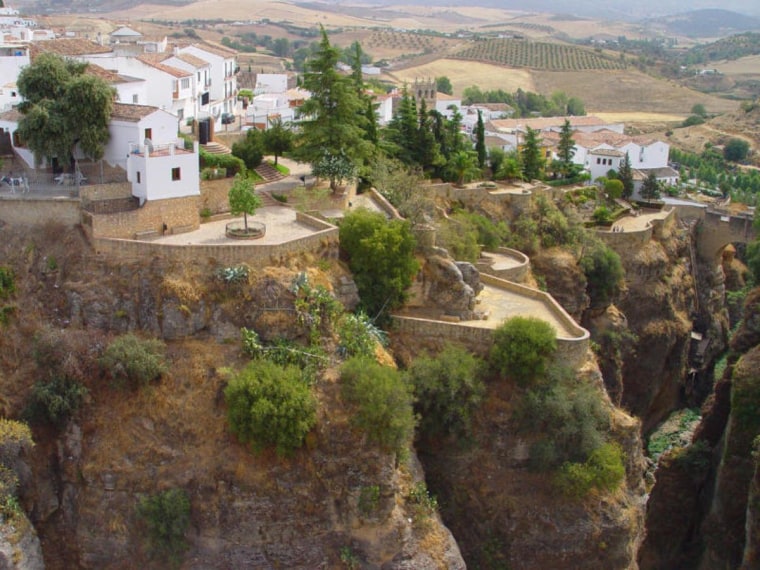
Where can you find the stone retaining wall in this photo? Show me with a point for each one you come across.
(515, 274)
(571, 351)
(178, 215)
(37, 211)
(322, 244)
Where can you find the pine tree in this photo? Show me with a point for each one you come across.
(333, 117)
(650, 190)
(401, 132)
(532, 159)
(566, 148)
(625, 175)
(480, 141)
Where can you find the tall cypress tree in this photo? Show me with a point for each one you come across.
(625, 175)
(566, 148)
(480, 141)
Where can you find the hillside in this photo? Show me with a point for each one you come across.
(709, 23)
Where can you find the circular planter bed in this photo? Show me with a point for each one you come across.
(237, 230)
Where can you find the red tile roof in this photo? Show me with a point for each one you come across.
(154, 60)
(66, 47)
(132, 113)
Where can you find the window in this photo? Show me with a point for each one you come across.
(185, 83)
(149, 134)
(175, 174)
(599, 160)
(135, 99)
(199, 77)
(139, 179)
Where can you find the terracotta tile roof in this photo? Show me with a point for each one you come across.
(593, 140)
(66, 47)
(542, 123)
(216, 49)
(446, 97)
(606, 152)
(105, 74)
(12, 115)
(155, 61)
(132, 113)
(190, 59)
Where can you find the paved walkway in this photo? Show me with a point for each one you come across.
(500, 262)
(640, 222)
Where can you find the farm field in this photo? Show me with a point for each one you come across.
(627, 91)
(465, 74)
(749, 65)
(538, 55)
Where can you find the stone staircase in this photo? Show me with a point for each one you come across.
(213, 147)
(267, 200)
(268, 173)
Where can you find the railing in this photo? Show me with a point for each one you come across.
(168, 149)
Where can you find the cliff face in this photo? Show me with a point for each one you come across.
(702, 512)
(337, 500)
(505, 515)
(19, 545)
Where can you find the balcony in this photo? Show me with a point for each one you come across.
(157, 150)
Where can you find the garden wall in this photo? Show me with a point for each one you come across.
(38, 211)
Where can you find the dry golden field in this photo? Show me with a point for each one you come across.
(465, 74)
(749, 65)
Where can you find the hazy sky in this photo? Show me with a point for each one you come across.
(617, 9)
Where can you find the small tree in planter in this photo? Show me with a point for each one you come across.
(337, 168)
(243, 198)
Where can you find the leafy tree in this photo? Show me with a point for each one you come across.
(278, 139)
(382, 401)
(613, 188)
(692, 121)
(496, 156)
(736, 150)
(337, 168)
(463, 166)
(566, 148)
(575, 107)
(522, 347)
(251, 149)
(531, 155)
(401, 132)
(511, 167)
(268, 405)
(604, 273)
(332, 118)
(650, 189)
(381, 257)
(625, 175)
(603, 470)
(428, 149)
(480, 141)
(243, 198)
(699, 110)
(281, 47)
(167, 518)
(448, 389)
(64, 108)
(443, 85)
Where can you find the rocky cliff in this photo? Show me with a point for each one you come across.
(336, 502)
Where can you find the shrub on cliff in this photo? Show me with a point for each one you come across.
(603, 470)
(54, 402)
(448, 388)
(166, 516)
(604, 273)
(269, 405)
(381, 257)
(522, 347)
(382, 402)
(134, 362)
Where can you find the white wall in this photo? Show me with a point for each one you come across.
(271, 83)
(156, 176)
(164, 128)
(11, 64)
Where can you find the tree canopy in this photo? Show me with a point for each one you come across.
(381, 257)
(332, 119)
(64, 108)
(243, 198)
(532, 159)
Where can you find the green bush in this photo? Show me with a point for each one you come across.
(134, 362)
(381, 257)
(232, 164)
(459, 237)
(422, 504)
(604, 470)
(309, 360)
(522, 347)
(448, 388)
(569, 415)
(358, 336)
(604, 273)
(250, 149)
(214, 173)
(54, 402)
(268, 405)
(167, 517)
(382, 402)
(7, 282)
(15, 437)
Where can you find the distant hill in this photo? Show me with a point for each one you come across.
(733, 47)
(710, 23)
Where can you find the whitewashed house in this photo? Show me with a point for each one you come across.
(13, 58)
(267, 83)
(201, 70)
(144, 140)
(223, 87)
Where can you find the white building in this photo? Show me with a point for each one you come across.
(267, 83)
(13, 58)
(223, 88)
(144, 140)
(201, 70)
